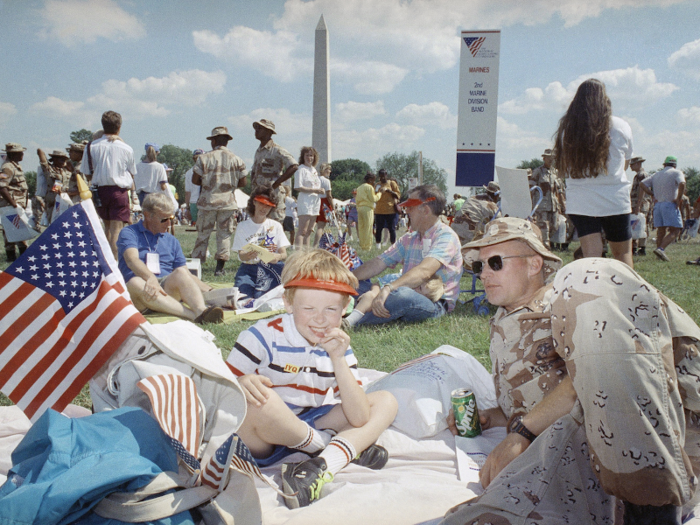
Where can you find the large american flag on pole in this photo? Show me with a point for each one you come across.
(64, 310)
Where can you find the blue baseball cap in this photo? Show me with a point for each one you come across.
(154, 145)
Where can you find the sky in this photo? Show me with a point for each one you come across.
(177, 69)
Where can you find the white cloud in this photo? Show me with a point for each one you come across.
(371, 143)
(72, 22)
(432, 114)
(352, 111)
(6, 111)
(519, 143)
(687, 59)
(369, 77)
(136, 98)
(689, 115)
(272, 54)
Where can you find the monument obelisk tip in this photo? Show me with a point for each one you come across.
(321, 128)
(321, 24)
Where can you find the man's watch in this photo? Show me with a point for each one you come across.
(517, 426)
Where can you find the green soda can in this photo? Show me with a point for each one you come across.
(466, 412)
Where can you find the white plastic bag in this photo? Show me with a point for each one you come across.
(62, 203)
(16, 224)
(423, 389)
(638, 222)
(559, 234)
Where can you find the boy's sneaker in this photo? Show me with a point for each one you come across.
(373, 457)
(302, 482)
(661, 254)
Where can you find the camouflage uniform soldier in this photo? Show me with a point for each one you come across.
(75, 153)
(546, 178)
(219, 172)
(57, 177)
(272, 165)
(13, 191)
(596, 377)
(641, 203)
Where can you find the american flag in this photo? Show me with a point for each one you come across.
(64, 310)
(474, 43)
(15, 219)
(176, 407)
(340, 249)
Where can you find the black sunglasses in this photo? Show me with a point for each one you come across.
(495, 263)
(167, 219)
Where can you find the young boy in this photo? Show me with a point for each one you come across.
(433, 289)
(295, 368)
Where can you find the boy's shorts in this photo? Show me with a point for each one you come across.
(115, 204)
(309, 416)
(667, 215)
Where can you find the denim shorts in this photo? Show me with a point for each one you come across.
(667, 215)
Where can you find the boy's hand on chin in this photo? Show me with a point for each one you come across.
(336, 343)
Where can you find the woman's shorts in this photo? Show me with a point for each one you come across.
(115, 204)
(288, 224)
(667, 215)
(617, 228)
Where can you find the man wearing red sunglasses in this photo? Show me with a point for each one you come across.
(596, 376)
(430, 248)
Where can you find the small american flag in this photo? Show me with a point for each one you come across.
(64, 310)
(474, 44)
(176, 407)
(15, 219)
(340, 249)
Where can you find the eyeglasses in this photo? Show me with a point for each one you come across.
(495, 263)
(167, 219)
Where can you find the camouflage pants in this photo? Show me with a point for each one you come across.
(546, 222)
(225, 223)
(633, 357)
(280, 193)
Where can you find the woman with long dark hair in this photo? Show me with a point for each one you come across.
(592, 150)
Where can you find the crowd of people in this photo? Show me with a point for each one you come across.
(615, 428)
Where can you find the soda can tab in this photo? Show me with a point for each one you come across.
(466, 412)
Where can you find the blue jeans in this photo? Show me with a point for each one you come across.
(255, 280)
(408, 306)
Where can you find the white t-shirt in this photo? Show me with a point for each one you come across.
(149, 175)
(269, 235)
(113, 163)
(607, 194)
(325, 184)
(290, 205)
(307, 203)
(665, 183)
(192, 188)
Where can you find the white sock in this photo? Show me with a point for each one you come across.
(314, 441)
(354, 317)
(338, 454)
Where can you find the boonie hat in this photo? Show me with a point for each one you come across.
(77, 146)
(671, 160)
(219, 132)
(493, 187)
(634, 160)
(264, 123)
(547, 153)
(58, 153)
(511, 229)
(13, 147)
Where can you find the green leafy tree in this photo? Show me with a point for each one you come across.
(347, 175)
(530, 164)
(80, 135)
(180, 160)
(402, 167)
(692, 181)
(30, 177)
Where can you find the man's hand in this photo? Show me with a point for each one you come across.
(489, 418)
(152, 288)
(256, 388)
(336, 343)
(378, 307)
(505, 452)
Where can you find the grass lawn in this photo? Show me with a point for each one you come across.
(385, 347)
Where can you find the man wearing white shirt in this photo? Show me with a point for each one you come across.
(111, 162)
(192, 190)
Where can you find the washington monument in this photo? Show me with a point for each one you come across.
(321, 132)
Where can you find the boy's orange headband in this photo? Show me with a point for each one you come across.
(312, 282)
(264, 200)
(415, 202)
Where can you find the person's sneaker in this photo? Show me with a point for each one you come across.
(696, 262)
(661, 254)
(212, 314)
(373, 457)
(302, 482)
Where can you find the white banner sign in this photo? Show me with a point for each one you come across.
(477, 110)
(412, 182)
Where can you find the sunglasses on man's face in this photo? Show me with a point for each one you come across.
(495, 263)
(167, 219)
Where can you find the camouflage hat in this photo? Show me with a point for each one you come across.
(511, 229)
(492, 187)
(634, 160)
(221, 131)
(264, 123)
(548, 153)
(13, 147)
(77, 147)
(58, 153)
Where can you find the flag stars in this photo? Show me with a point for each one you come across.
(86, 274)
(54, 236)
(73, 284)
(69, 244)
(61, 273)
(62, 283)
(48, 275)
(83, 253)
(62, 293)
(58, 256)
(68, 235)
(35, 277)
(45, 256)
(84, 263)
(79, 234)
(82, 295)
(72, 264)
(82, 244)
(56, 246)
(73, 293)
(33, 267)
(31, 258)
(70, 305)
(19, 269)
(49, 284)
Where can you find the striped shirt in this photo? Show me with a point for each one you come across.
(302, 375)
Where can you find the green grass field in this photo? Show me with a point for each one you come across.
(385, 347)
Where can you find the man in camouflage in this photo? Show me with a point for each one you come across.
(272, 166)
(546, 177)
(596, 382)
(57, 177)
(641, 203)
(13, 192)
(219, 172)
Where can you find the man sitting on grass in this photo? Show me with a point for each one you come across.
(288, 368)
(596, 380)
(431, 248)
(154, 267)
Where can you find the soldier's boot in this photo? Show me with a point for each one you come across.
(10, 253)
(650, 515)
(219, 268)
(565, 247)
(22, 248)
(642, 251)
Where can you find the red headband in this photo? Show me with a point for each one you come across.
(312, 282)
(415, 202)
(264, 200)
